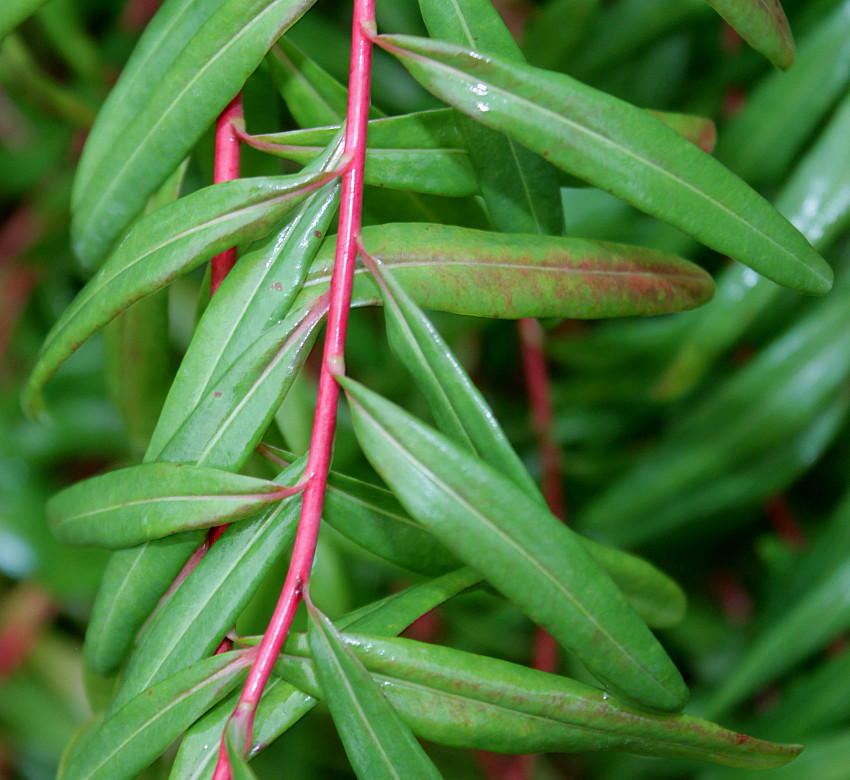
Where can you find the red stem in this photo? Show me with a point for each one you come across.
(324, 425)
(227, 157)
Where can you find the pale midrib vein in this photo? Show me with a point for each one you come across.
(554, 269)
(118, 749)
(209, 592)
(342, 676)
(613, 732)
(97, 290)
(301, 334)
(166, 113)
(421, 467)
(625, 151)
(160, 500)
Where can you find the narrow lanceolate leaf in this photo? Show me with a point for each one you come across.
(464, 700)
(163, 39)
(13, 12)
(464, 416)
(139, 733)
(763, 25)
(621, 149)
(190, 625)
(283, 705)
(697, 129)
(458, 408)
(378, 743)
(422, 152)
(312, 95)
(208, 71)
(255, 296)
(164, 245)
(519, 547)
(487, 274)
(519, 188)
(130, 506)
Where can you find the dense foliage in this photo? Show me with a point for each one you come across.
(687, 549)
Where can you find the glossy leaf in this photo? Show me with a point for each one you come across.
(519, 188)
(597, 138)
(195, 618)
(255, 296)
(782, 112)
(312, 95)
(464, 700)
(208, 71)
(422, 152)
(509, 538)
(167, 34)
(816, 200)
(130, 506)
(283, 705)
(163, 245)
(378, 743)
(137, 734)
(763, 25)
(487, 274)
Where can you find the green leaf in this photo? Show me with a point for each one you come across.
(137, 734)
(487, 274)
(763, 25)
(239, 769)
(697, 129)
(422, 152)
(132, 505)
(255, 296)
(169, 242)
(377, 742)
(14, 12)
(205, 75)
(167, 34)
(520, 548)
(554, 31)
(371, 517)
(195, 618)
(312, 95)
(785, 108)
(464, 700)
(283, 705)
(519, 188)
(618, 148)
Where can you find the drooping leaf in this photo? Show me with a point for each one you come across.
(163, 245)
(377, 741)
(464, 700)
(510, 539)
(618, 148)
(138, 733)
(135, 158)
(129, 506)
(763, 25)
(487, 274)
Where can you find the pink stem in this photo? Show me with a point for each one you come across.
(324, 425)
(227, 156)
